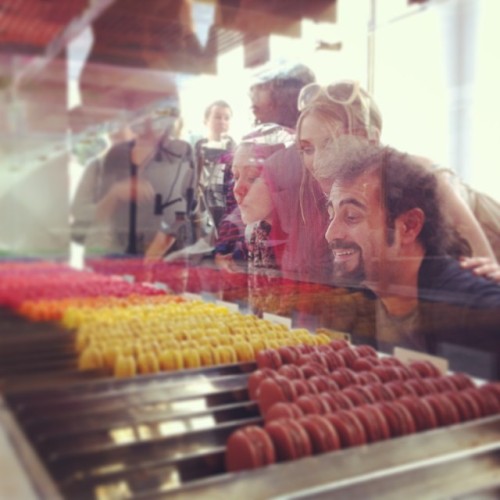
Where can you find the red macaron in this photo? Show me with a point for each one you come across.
(374, 422)
(274, 390)
(268, 358)
(445, 410)
(338, 401)
(323, 383)
(339, 344)
(398, 417)
(312, 368)
(333, 359)
(350, 355)
(349, 428)
(442, 384)
(380, 392)
(422, 412)
(302, 386)
(366, 351)
(368, 377)
(322, 433)
(357, 397)
(364, 364)
(345, 377)
(314, 404)
(463, 407)
(256, 378)
(290, 439)
(424, 368)
(489, 400)
(421, 386)
(399, 388)
(461, 381)
(288, 354)
(290, 371)
(249, 448)
(284, 410)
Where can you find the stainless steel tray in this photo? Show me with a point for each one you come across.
(164, 436)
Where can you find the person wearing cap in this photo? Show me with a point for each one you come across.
(273, 94)
(137, 199)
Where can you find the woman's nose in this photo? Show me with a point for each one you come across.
(240, 189)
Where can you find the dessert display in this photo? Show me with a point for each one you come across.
(37, 288)
(125, 328)
(336, 308)
(195, 390)
(316, 399)
(173, 336)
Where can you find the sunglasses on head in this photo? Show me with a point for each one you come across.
(344, 93)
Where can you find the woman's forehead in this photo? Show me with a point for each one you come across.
(318, 123)
(244, 157)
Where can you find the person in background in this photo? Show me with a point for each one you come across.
(389, 232)
(213, 166)
(137, 199)
(344, 113)
(345, 109)
(273, 95)
(264, 239)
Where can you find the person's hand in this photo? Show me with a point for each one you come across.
(144, 191)
(482, 266)
(226, 263)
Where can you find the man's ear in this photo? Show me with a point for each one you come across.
(409, 224)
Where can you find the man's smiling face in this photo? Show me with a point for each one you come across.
(357, 230)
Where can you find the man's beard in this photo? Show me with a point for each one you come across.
(342, 273)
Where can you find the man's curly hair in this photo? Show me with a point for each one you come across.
(405, 184)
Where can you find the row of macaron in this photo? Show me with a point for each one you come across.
(289, 438)
(340, 353)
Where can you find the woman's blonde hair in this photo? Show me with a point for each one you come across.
(359, 116)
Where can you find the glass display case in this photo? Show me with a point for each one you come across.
(152, 316)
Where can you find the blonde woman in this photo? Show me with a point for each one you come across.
(339, 116)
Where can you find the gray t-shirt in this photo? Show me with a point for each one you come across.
(170, 173)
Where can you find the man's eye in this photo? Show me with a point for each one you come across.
(308, 150)
(352, 218)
